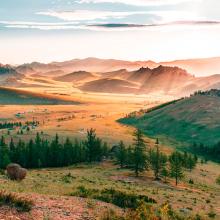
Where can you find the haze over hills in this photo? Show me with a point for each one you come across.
(164, 80)
(198, 67)
(10, 96)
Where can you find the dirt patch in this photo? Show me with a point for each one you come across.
(56, 208)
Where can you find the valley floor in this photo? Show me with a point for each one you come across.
(99, 111)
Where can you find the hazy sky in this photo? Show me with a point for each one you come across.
(49, 30)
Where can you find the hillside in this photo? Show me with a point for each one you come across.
(79, 76)
(194, 119)
(162, 79)
(19, 97)
(108, 85)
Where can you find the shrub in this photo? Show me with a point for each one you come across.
(111, 215)
(122, 199)
(67, 178)
(83, 192)
(12, 200)
(211, 214)
(218, 180)
(118, 198)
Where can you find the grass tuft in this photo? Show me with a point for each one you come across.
(12, 200)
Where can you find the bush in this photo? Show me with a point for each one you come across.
(67, 178)
(83, 192)
(218, 180)
(12, 200)
(118, 198)
(122, 199)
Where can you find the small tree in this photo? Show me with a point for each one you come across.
(139, 158)
(121, 155)
(157, 160)
(176, 169)
(4, 153)
(164, 173)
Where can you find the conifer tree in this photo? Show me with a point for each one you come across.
(165, 173)
(176, 166)
(121, 154)
(139, 158)
(157, 160)
(4, 154)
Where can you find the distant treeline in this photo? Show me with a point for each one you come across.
(41, 152)
(212, 92)
(8, 125)
(11, 125)
(208, 152)
(144, 111)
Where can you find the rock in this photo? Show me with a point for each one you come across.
(16, 172)
(21, 174)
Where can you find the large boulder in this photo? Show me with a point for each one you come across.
(16, 172)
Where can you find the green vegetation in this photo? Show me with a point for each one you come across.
(181, 123)
(12, 200)
(208, 152)
(40, 152)
(146, 211)
(116, 197)
(162, 166)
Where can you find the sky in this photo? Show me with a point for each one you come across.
(58, 30)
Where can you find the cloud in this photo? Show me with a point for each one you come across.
(139, 2)
(106, 26)
(120, 25)
(83, 15)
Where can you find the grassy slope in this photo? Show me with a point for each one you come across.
(188, 120)
(101, 176)
(19, 97)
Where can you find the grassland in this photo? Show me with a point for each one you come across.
(51, 188)
(201, 197)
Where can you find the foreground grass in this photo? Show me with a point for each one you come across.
(14, 201)
(202, 197)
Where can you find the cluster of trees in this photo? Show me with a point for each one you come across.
(41, 152)
(138, 158)
(208, 152)
(8, 125)
(11, 125)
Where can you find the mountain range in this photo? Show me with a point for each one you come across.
(176, 78)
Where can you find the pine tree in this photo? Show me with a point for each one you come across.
(12, 150)
(157, 161)
(93, 146)
(139, 158)
(176, 166)
(164, 173)
(121, 155)
(68, 153)
(4, 154)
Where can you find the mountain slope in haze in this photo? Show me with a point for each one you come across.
(108, 85)
(9, 76)
(80, 76)
(163, 80)
(193, 119)
(198, 67)
(10, 96)
(166, 80)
